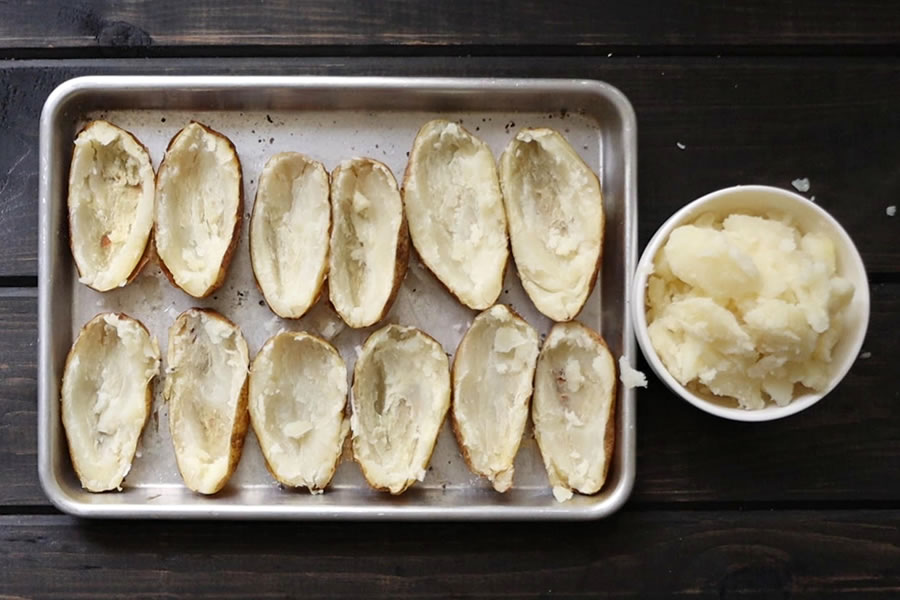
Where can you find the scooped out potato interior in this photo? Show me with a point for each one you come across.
(556, 221)
(455, 212)
(369, 241)
(106, 397)
(198, 208)
(574, 408)
(492, 376)
(289, 233)
(111, 191)
(206, 388)
(401, 393)
(298, 391)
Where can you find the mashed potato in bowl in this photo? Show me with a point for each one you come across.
(747, 307)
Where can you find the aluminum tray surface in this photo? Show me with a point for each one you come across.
(329, 119)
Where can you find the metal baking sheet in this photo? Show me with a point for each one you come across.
(329, 119)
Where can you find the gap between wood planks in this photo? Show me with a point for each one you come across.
(452, 50)
(18, 285)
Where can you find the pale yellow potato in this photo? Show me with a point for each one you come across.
(289, 231)
(493, 370)
(401, 393)
(199, 201)
(574, 409)
(106, 397)
(298, 392)
(556, 220)
(206, 389)
(369, 247)
(455, 210)
(110, 204)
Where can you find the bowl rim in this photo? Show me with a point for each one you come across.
(639, 317)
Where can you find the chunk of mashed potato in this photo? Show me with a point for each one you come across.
(746, 307)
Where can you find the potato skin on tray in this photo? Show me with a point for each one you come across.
(206, 389)
(556, 220)
(369, 247)
(574, 409)
(106, 397)
(493, 370)
(401, 393)
(457, 224)
(289, 231)
(199, 206)
(110, 205)
(298, 393)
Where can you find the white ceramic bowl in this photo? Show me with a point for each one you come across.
(759, 199)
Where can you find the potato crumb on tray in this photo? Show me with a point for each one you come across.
(629, 376)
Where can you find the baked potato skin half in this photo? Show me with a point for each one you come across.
(470, 216)
(84, 379)
(473, 373)
(575, 389)
(554, 205)
(170, 252)
(398, 359)
(195, 410)
(298, 387)
(110, 243)
(351, 241)
(290, 231)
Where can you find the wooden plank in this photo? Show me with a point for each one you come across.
(846, 448)
(282, 23)
(741, 120)
(796, 554)
(18, 398)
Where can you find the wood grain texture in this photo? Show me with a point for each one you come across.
(796, 554)
(740, 120)
(844, 449)
(18, 398)
(282, 23)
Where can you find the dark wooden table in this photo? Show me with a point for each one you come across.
(762, 92)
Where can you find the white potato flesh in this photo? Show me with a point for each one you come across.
(289, 233)
(206, 389)
(746, 307)
(492, 377)
(556, 221)
(106, 397)
(455, 212)
(368, 241)
(298, 391)
(574, 408)
(198, 208)
(111, 191)
(401, 393)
